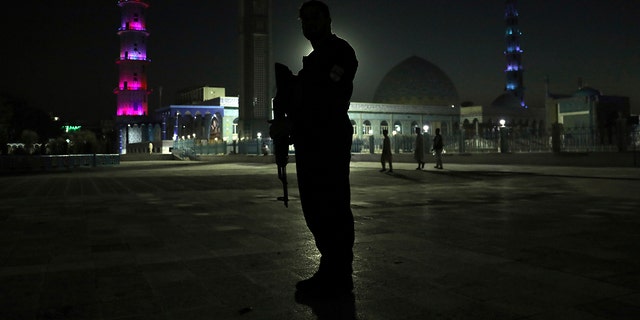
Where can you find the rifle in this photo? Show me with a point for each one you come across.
(282, 104)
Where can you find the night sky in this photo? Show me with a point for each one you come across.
(60, 55)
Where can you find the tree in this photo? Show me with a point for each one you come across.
(16, 116)
(83, 141)
(6, 113)
(29, 138)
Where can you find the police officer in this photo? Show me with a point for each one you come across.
(323, 89)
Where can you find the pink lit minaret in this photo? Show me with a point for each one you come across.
(132, 89)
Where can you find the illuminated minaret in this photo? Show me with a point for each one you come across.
(513, 53)
(132, 85)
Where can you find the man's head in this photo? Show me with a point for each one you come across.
(316, 20)
(385, 132)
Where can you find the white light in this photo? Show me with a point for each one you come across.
(502, 122)
(425, 128)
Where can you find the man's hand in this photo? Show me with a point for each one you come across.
(280, 129)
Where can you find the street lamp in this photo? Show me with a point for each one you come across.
(504, 144)
(258, 144)
(427, 138)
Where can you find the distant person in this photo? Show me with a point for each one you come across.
(438, 146)
(324, 84)
(265, 149)
(418, 150)
(386, 152)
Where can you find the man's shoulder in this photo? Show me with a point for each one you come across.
(338, 41)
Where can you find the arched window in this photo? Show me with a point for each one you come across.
(397, 127)
(186, 125)
(355, 127)
(384, 126)
(198, 126)
(476, 127)
(366, 127)
(414, 125)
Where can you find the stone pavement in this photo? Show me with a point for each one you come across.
(200, 240)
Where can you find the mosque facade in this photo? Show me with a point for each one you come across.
(414, 93)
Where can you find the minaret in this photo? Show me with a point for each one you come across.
(132, 93)
(132, 85)
(513, 53)
(255, 64)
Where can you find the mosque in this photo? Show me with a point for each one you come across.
(414, 93)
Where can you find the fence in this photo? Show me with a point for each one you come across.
(505, 139)
(37, 163)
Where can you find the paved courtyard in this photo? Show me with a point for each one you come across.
(201, 240)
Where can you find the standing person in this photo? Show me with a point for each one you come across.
(324, 87)
(418, 150)
(438, 146)
(386, 152)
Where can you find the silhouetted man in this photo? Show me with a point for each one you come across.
(386, 155)
(418, 151)
(438, 146)
(323, 92)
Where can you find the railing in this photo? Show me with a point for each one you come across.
(38, 163)
(498, 140)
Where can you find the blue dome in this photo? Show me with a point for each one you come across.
(416, 81)
(507, 100)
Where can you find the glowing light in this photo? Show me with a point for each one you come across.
(71, 128)
(512, 68)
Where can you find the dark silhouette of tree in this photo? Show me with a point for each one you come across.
(16, 116)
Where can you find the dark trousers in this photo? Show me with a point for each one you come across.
(325, 196)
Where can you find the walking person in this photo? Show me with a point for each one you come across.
(418, 150)
(438, 146)
(386, 152)
(324, 85)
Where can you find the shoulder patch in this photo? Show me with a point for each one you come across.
(336, 73)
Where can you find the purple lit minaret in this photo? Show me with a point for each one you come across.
(132, 89)
(513, 53)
